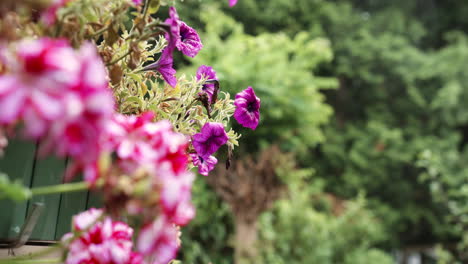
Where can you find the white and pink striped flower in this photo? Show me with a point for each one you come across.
(40, 71)
(152, 149)
(59, 95)
(88, 107)
(99, 241)
(158, 241)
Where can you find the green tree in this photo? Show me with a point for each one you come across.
(402, 87)
(280, 69)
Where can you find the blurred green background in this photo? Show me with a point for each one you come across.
(371, 96)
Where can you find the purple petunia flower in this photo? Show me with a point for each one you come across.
(210, 139)
(173, 36)
(207, 73)
(205, 165)
(165, 67)
(247, 108)
(232, 3)
(181, 36)
(190, 43)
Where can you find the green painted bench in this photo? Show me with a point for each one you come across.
(20, 162)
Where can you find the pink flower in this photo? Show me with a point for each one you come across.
(88, 106)
(158, 239)
(101, 241)
(154, 155)
(205, 165)
(247, 111)
(232, 3)
(135, 258)
(148, 143)
(41, 70)
(210, 139)
(49, 16)
(61, 96)
(86, 219)
(133, 139)
(175, 198)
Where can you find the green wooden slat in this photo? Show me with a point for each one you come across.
(47, 171)
(94, 201)
(70, 205)
(17, 163)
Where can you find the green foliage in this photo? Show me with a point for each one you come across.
(206, 238)
(295, 232)
(447, 176)
(402, 88)
(444, 256)
(413, 100)
(279, 68)
(367, 256)
(309, 226)
(401, 67)
(128, 45)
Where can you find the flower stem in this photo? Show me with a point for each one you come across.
(120, 58)
(145, 11)
(170, 99)
(99, 32)
(60, 188)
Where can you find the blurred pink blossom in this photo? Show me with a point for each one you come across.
(88, 106)
(40, 72)
(232, 3)
(142, 145)
(158, 240)
(59, 95)
(100, 241)
(49, 15)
